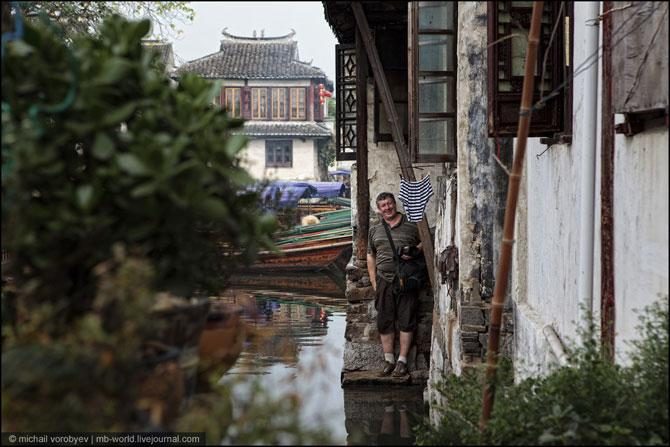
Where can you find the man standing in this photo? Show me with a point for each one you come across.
(395, 311)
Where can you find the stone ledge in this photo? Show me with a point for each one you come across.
(353, 378)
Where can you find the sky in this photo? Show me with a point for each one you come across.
(315, 39)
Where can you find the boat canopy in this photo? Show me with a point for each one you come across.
(288, 193)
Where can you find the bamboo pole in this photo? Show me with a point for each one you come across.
(510, 215)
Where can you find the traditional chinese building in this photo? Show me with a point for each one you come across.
(279, 96)
(435, 88)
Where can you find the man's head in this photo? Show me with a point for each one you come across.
(386, 205)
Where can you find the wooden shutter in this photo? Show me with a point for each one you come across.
(640, 60)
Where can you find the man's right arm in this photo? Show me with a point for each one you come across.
(372, 270)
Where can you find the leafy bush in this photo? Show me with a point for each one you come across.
(116, 185)
(99, 149)
(592, 402)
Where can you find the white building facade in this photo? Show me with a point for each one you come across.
(279, 97)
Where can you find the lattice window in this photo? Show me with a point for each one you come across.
(506, 59)
(345, 110)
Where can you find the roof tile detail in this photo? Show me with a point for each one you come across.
(253, 58)
(284, 129)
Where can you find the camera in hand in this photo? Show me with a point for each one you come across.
(409, 250)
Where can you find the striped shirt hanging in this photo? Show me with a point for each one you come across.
(415, 196)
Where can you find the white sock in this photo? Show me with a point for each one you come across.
(403, 359)
(389, 357)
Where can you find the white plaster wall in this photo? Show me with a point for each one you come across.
(553, 222)
(305, 161)
(548, 267)
(641, 229)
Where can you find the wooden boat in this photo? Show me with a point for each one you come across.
(309, 259)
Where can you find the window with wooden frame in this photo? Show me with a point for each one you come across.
(508, 27)
(298, 103)
(278, 153)
(278, 103)
(432, 81)
(392, 50)
(259, 103)
(232, 101)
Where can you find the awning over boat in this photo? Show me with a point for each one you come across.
(286, 194)
(281, 194)
(340, 172)
(327, 190)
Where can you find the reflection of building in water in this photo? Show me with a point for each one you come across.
(278, 329)
(382, 415)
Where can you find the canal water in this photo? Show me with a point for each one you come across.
(297, 347)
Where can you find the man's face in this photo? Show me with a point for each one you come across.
(387, 208)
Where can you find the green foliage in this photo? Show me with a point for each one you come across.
(331, 104)
(326, 157)
(98, 376)
(86, 379)
(129, 160)
(85, 17)
(117, 186)
(592, 402)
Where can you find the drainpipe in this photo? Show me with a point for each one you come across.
(588, 165)
(555, 344)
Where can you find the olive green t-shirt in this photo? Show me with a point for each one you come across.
(405, 233)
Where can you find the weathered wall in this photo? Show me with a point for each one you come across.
(461, 319)
(552, 181)
(305, 161)
(641, 229)
(546, 269)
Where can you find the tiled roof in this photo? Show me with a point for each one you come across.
(284, 129)
(253, 58)
(164, 50)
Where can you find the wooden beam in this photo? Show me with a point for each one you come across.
(363, 190)
(396, 130)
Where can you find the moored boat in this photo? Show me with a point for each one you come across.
(309, 258)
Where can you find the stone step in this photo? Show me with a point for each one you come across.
(352, 378)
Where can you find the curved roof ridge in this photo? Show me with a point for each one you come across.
(261, 39)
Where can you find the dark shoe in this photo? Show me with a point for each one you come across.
(388, 368)
(400, 370)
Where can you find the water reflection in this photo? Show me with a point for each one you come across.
(382, 415)
(295, 345)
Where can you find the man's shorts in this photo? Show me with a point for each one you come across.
(390, 308)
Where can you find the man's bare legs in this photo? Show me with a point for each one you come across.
(387, 342)
(405, 343)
